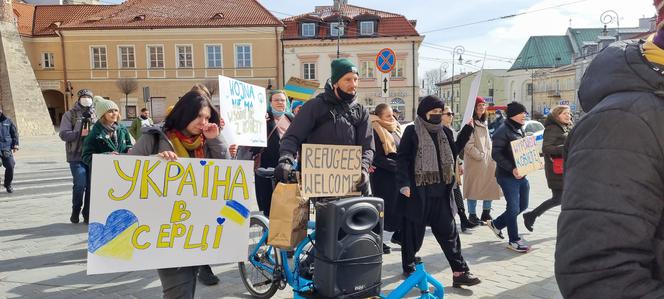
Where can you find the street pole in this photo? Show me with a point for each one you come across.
(532, 93)
(608, 17)
(457, 50)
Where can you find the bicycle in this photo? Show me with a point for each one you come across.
(268, 269)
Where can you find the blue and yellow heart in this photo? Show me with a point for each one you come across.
(113, 239)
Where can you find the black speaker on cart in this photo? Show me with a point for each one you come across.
(349, 247)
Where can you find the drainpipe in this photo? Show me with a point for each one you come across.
(414, 95)
(276, 40)
(68, 92)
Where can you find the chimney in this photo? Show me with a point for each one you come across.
(605, 41)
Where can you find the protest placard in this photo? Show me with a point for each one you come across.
(330, 170)
(300, 89)
(149, 213)
(243, 107)
(526, 155)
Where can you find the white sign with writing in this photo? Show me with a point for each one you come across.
(243, 108)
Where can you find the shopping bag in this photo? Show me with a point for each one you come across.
(289, 214)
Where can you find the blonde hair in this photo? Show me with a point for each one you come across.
(556, 111)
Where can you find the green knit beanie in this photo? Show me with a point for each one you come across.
(103, 105)
(340, 67)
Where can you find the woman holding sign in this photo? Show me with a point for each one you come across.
(557, 126)
(427, 158)
(189, 131)
(514, 185)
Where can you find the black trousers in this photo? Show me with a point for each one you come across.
(458, 199)
(439, 217)
(8, 163)
(549, 203)
(264, 190)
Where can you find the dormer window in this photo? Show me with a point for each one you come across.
(308, 29)
(336, 29)
(367, 28)
(139, 18)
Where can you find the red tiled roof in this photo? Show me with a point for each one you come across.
(24, 14)
(45, 15)
(136, 14)
(389, 24)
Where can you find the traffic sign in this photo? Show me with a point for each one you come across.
(385, 60)
(385, 85)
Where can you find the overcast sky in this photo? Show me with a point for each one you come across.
(503, 38)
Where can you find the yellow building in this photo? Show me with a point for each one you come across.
(554, 87)
(166, 45)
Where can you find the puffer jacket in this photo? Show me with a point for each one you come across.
(555, 134)
(501, 152)
(611, 228)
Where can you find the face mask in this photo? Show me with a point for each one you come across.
(85, 102)
(346, 97)
(278, 113)
(435, 118)
(144, 117)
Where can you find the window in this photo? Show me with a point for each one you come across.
(336, 29)
(98, 57)
(308, 29)
(214, 59)
(185, 57)
(367, 70)
(367, 28)
(127, 57)
(309, 71)
(156, 57)
(243, 56)
(48, 61)
(397, 71)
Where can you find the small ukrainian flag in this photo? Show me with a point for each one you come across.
(235, 211)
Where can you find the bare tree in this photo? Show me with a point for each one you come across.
(212, 86)
(127, 86)
(431, 77)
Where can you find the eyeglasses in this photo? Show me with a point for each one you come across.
(448, 113)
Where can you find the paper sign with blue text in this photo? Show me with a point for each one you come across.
(526, 155)
(150, 213)
(243, 107)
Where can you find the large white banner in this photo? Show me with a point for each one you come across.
(149, 213)
(472, 95)
(243, 107)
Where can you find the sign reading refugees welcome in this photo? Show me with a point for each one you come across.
(526, 155)
(330, 170)
(243, 108)
(149, 213)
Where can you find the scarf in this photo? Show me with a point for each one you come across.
(282, 124)
(111, 131)
(384, 130)
(653, 53)
(183, 144)
(427, 171)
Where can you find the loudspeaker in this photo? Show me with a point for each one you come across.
(349, 247)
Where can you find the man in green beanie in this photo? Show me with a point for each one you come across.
(332, 117)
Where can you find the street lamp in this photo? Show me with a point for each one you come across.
(443, 65)
(457, 50)
(609, 17)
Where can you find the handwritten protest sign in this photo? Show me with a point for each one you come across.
(149, 213)
(243, 108)
(330, 170)
(526, 156)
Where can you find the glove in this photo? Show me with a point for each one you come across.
(362, 184)
(284, 168)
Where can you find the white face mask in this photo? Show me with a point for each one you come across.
(85, 101)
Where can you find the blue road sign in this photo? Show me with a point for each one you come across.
(385, 60)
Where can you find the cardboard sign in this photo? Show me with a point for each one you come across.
(526, 155)
(300, 89)
(243, 108)
(149, 213)
(330, 170)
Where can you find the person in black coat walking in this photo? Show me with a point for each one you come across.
(427, 158)
(8, 146)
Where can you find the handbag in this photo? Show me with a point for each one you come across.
(557, 165)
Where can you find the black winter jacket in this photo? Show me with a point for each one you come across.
(611, 228)
(327, 120)
(501, 152)
(8, 133)
(555, 135)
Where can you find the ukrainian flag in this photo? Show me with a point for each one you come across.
(235, 211)
(299, 92)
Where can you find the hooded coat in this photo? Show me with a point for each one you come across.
(611, 228)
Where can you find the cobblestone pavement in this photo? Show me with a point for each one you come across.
(42, 255)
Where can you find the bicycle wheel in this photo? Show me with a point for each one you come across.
(257, 274)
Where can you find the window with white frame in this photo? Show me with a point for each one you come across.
(336, 29)
(367, 69)
(214, 56)
(156, 57)
(309, 71)
(367, 28)
(397, 71)
(47, 60)
(98, 57)
(308, 29)
(185, 57)
(127, 59)
(243, 56)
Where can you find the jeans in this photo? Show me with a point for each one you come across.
(516, 195)
(472, 205)
(178, 283)
(9, 163)
(81, 190)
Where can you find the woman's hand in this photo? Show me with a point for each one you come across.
(471, 123)
(372, 169)
(211, 131)
(222, 124)
(405, 191)
(168, 155)
(232, 149)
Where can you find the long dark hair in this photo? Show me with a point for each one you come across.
(481, 118)
(186, 110)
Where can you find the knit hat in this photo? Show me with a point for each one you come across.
(479, 100)
(103, 105)
(340, 67)
(659, 4)
(85, 93)
(515, 108)
(429, 103)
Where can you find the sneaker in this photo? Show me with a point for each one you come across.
(519, 246)
(496, 231)
(206, 277)
(74, 216)
(529, 220)
(465, 279)
(10, 189)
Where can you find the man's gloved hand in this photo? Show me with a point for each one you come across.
(362, 184)
(284, 168)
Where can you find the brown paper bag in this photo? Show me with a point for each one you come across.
(289, 214)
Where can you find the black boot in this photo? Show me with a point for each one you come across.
(465, 279)
(472, 218)
(486, 216)
(529, 220)
(386, 249)
(74, 215)
(206, 277)
(396, 238)
(465, 223)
